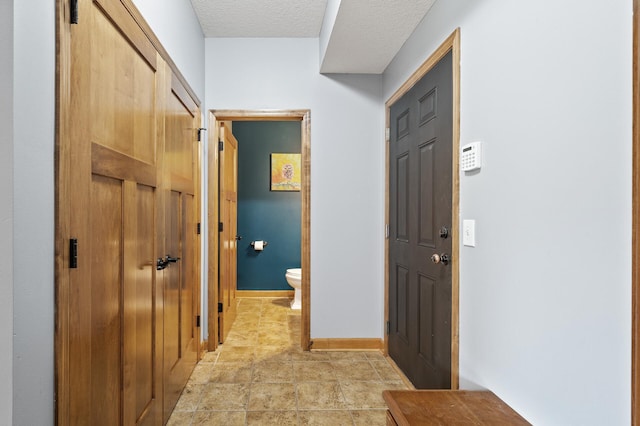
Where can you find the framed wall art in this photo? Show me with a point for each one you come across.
(285, 172)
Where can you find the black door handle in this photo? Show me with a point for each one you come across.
(170, 259)
(161, 264)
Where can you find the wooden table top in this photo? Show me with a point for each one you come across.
(450, 407)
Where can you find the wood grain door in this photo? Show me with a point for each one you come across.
(127, 195)
(228, 219)
(420, 201)
(181, 281)
(114, 339)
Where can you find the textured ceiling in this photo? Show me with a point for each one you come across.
(260, 18)
(364, 38)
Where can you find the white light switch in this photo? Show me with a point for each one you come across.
(469, 232)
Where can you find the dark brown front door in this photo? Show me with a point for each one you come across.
(420, 197)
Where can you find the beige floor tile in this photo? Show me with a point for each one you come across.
(385, 371)
(272, 354)
(246, 324)
(190, 397)
(347, 355)
(210, 357)
(231, 372)
(325, 418)
(300, 355)
(242, 338)
(201, 373)
(180, 418)
(365, 395)
(273, 372)
(273, 321)
(224, 397)
(320, 396)
(236, 353)
(217, 418)
(248, 301)
(358, 370)
(369, 417)
(248, 321)
(260, 376)
(272, 396)
(272, 418)
(374, 355)
(313, 371)
(281, 340)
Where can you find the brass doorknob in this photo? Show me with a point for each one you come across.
(440, 258)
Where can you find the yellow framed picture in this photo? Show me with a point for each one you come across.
(285, 172)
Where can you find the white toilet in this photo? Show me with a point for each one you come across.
(294, 278)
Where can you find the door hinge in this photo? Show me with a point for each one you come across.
(198, 228)
(388, 328)
(220, 146)
(73, 253)
(197, 320)
(73, 11)
(386, 231)
(219, 306)
(220, 226)
(200, 130)
(387, 134)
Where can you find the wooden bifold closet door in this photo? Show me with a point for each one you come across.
(127, 205)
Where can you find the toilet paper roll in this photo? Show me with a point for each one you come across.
(258, 245)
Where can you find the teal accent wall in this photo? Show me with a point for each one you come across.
(263, 214)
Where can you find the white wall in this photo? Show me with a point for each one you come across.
(347, 168)
(545, 296)
(6, 212)
(34, 68)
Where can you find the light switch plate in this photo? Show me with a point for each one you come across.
(469, 232)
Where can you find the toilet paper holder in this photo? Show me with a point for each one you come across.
(264, 244)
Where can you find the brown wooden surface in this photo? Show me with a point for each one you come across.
(181, 289)
(337, 344)
(635, 233)
(137, 16)
(228, 243)
(452, 43)
(390, 420)
(111, 194)
(112, 363)
(450, 407)
(305, 323)
(213, 236)
(216, 117)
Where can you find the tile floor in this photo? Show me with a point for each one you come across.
(259, 376)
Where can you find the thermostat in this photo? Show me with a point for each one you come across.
(471, 156)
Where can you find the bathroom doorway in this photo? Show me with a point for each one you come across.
(217, 120)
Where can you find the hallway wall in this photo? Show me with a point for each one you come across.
(347, 167)
(6, 212)
(33, 230)
(546, 294)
